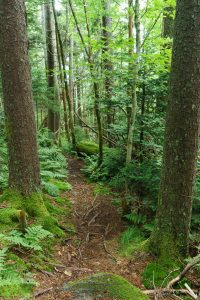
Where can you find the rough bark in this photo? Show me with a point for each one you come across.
(24, 171)
(53, 115)
(181, 136)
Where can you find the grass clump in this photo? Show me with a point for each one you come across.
(107, 286)
(132, 240)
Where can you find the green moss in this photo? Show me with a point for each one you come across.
(40, 261)
(54, 210)
(33, 205)
(106, 285)
(87, 147)
(14, 290)
(19, 264)
(63, 186)
(9, 215)
(51, 224)
(160, 273)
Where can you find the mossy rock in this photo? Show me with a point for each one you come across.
(87, 147)
(104, 285)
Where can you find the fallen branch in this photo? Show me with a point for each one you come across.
(168, 291)
(93, 130)
(195, 261)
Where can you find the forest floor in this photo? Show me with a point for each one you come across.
(94, 246)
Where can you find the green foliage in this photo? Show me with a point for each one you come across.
(30, 240)
(53, 166)
(158, 274)
(132, 240)
(12, 284)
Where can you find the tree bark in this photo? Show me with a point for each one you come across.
(133, 73)
(171, 235)
(53, 115)
(24, 170)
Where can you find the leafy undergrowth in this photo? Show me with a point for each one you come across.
(22, 254)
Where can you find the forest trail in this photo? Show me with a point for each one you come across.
(92, 248)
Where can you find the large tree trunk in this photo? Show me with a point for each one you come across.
(53, 115)
(181, 137)
(24, 171)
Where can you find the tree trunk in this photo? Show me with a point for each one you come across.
(67, 89)
(181, 136)
(63, 93)
(93, 72)
(53, 115)
(107, 63)
(24, 171)
(133, 69)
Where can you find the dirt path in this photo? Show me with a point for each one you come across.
(92, 249)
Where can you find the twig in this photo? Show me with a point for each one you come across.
(40, 293)
(190, 291)
(94, 218)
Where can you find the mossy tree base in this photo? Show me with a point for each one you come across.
(13, 203)
(107, 286)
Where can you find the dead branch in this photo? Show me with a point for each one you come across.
(168, 291)
(195, 261)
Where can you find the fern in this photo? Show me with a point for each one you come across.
(136, 218)
(2, 258)
(31, 240)
(10, 279)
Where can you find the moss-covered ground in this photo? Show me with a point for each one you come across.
(53, 213)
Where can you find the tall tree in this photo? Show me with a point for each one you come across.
(107, 63)
(171, 235)
(133, 72)
(67, 88)
(24, 171)
(53, 115)
(89, 51)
